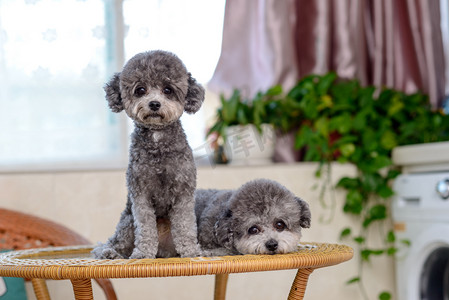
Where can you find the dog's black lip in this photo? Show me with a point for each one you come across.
(153, 115)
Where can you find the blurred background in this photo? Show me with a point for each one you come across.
(293, 64)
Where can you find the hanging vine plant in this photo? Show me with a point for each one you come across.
(343, 121)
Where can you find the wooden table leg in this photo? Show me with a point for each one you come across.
(40, 289)
(299, 284)
(221, 281)
(82, 289)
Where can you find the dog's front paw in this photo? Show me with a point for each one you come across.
(138, 254)
(111, 254)
(105, 252)
(192, 252)
(218, 252)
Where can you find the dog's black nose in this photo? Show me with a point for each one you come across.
(271, 245)
(155, 105)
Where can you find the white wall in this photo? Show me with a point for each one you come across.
(90, 203)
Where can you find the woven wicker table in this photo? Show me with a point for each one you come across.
(77, 265)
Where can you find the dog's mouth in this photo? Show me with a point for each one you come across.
(153, 116)
(271, 252)
(148, 115)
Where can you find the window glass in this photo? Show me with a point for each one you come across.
(52, 69)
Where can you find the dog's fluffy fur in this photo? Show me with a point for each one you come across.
(154, 89)
(261, 217)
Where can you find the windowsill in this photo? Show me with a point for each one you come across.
(64, 167)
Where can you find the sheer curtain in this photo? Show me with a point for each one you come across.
(397, 44)
(53, 67)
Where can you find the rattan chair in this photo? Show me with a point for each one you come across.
(23, 231)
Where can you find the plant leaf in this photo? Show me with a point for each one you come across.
(393, 173)
(325, 83)
(378, 212)
(392, 251)
(385, 191)
(274, 91)
(322, 126)
(406, 242)
(375, 164)
(359, 240)
(349, 183)
(347, 149)
(353, 280)
(388, 140)
(391, 237)
(354, 200)
(366, 253)
(241, 117)
(345, 232)
(341, 123)
(384, 296)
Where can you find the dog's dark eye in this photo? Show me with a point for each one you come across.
(253, 230)
(140, 91)
(167, 90)
(279, 225)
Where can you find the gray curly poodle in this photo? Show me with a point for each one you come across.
(154, 89)
(261, 217)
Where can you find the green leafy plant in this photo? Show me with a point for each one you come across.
(343, 121)
(236, 110)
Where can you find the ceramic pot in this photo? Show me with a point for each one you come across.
(245, 145)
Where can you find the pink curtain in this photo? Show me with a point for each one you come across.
(257, 48)
(396, 44)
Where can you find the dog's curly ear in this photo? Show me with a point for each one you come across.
(306, 216)
(194, 97)
(223, 231)
(112, 89)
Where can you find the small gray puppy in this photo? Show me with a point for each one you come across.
(154, 89)
(261, 217)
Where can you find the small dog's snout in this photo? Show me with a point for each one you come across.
(155, 105)
(271, 245)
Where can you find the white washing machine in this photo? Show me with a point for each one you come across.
(421, 216)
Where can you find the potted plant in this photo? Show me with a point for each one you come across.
(243, 127)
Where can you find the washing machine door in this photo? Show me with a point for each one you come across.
(422, 273)
(434, 279)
